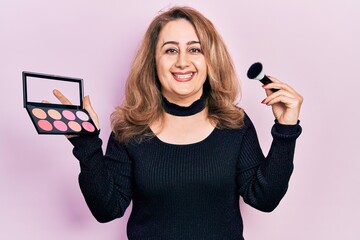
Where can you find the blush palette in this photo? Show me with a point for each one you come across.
(50, 118)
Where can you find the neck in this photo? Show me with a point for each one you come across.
(195, 107)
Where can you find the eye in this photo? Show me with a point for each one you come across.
(171, 51)
(195, 50)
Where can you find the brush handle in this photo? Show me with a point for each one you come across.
(267, 80)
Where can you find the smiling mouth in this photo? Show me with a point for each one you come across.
(183, 77)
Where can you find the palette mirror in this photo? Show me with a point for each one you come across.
(39, 89)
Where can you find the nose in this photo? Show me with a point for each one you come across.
(182, 60)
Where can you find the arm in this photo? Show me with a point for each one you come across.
(105, 181)
(264, 181)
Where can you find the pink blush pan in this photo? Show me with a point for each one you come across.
(69, 115)
(45, 125)
(88, 126)
(60, 125)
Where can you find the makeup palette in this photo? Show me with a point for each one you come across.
(52, 118)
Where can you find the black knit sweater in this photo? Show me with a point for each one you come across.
(186, 191)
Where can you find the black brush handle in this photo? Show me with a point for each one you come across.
(267, 80)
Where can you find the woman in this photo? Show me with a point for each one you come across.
(180, 149)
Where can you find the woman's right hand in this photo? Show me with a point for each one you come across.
(87, 106)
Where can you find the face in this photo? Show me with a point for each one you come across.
(180, 63)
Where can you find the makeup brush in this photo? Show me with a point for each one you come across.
(256, 72)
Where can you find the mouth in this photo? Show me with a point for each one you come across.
(183, 77)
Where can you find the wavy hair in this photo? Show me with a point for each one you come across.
(142, 104)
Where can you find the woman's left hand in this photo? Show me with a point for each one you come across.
(286, 102)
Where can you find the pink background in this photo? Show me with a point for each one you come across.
(312, 45)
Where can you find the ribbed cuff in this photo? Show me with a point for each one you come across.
(286, 131)
(82, 141)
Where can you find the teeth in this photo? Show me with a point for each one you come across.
(183, 76)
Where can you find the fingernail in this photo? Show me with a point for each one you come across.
(263, 101)
(264, 85)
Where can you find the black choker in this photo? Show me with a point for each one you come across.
(195, 107)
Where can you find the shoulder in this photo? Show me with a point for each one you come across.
(237, 132)
(247, 121)
(245, 118)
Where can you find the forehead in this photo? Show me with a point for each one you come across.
(178, 30)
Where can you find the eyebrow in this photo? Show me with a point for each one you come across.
(177, 43)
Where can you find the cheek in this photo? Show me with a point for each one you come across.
(201, 66)
(162, 66)
(202, 71)
(162, 71)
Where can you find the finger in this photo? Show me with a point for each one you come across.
(280, 93)
(88, 107)
(280, 86)
(288, 101)
(268, 91)
(275, 80)
(61, 97)
(71, 136)
(272, 80)
(288, 88)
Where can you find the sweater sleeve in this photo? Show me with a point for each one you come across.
(105, 180)
(263, 181)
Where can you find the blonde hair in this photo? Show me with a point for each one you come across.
(142, 104)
